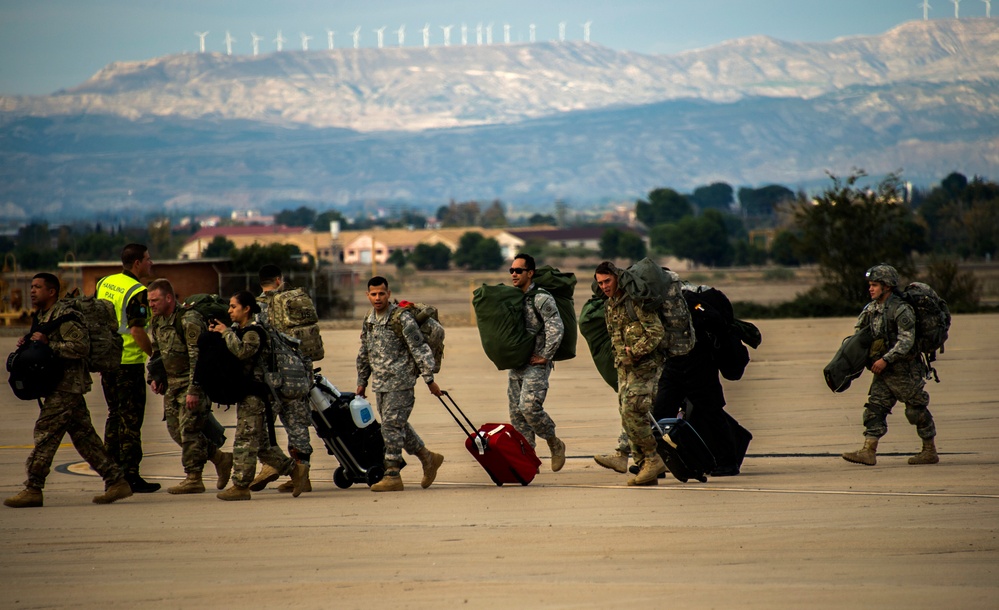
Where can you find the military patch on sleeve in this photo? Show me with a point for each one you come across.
(548, 308)
(191, 333)
(906, 320)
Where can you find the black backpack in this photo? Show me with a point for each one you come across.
(716, 326)
(220, 374)
(34, 369)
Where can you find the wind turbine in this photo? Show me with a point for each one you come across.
(305, 40)
(464, 35)
(426, 35)
(202, 36)
(478, 34)
(561, 31)
(357, 37)
(256, 43)
(279, 41)
(329, 39)
(401, 33)
(489, 34)
(532, 29)
(506, 33)
(447, 34)
(380, 32)
(957, 8)
(988, 8)
(586, 31)
(228, 42)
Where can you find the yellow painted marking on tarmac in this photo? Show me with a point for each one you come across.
(61, 446)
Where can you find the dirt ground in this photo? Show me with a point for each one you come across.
(799, 527)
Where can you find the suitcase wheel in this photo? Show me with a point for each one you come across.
(340, 478)
(375, 474)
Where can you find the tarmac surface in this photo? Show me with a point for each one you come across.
(799, 528)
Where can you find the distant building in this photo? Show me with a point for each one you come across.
(575, 237)
(187, 276)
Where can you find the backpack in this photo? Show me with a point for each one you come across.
(932, 322)
(593, 327)
(658, 289)
(561, 286)
(219, 373)
(99, 319)
(210, 306)
(34, 369)
(430, 327)
(849, 361)
(287, 372)
(717, 327)
(499, 316)
(293, 313)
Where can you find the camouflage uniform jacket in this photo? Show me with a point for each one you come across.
(246, 343)
(894, 323)
(70, 342)
(642, 334)
(542, 320)
(395, 361)
(177, 342)
(264, 301)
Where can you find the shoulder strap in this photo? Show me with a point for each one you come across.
(629, 306)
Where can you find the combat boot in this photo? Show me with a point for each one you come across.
(300, 479)
(390, 482)
(557, 447)
(865, 455)
(234, 493)
(617, 462)
(267, 474)
(649, 473)
(116, 491)
(223, 467)
(140, 485)
(928, 455)
(29, 497)
(191, 485)
(431, 464)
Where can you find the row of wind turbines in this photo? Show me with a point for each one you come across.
(925, 5)
(400, 35)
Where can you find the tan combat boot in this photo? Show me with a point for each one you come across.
(234, 493)
(191, 485)
(928, 455)
(390, 482)
(614, 461)
(267, 474)
(29, 497)
(431, 464)
(865, 455)
(557, 447)
(223, 467)
(652, 467)
(116, 491)
(300, 479)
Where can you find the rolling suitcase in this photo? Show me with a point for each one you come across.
(360, 450)
(503, 453)
(682, 449)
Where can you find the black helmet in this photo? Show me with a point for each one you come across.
(884, 273)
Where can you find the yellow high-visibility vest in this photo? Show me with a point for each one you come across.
(119, 289)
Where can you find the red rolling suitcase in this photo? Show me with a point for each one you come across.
(503, 452)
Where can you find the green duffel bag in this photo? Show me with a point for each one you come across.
(561, 286)
(849, 361)
(499, 315)
(593, 327)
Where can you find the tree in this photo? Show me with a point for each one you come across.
(219, 247)
(764, 201)
(253, 257)
(478, 252)
(962, 216)
(398, 258)
(615, 243)
(703, 239)
(784, 249)
(494, 216)
(429, 258)
(301, 217)
(465, 214)
(541, 219)
(323, 220)
(717, 196)
(664, 206)
(848, 229)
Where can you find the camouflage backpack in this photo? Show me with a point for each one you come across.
(293, 313)
(430, 327)
(99, 318)
(655, 288)
(932, 322)
(286, 371)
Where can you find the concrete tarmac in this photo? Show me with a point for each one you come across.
(799, 528)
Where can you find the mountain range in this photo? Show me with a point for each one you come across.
(527, 124)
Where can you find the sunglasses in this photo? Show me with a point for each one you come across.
(517, 270)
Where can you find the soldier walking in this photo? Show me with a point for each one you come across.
(396, 360)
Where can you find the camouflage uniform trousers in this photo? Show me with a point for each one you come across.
(902, 381)
(186, 426)
(125, 393)
(394, 408)
(62, 413)
(252, 442)
(526, 392)
(637, 387)
(294, 416)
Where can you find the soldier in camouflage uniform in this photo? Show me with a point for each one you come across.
(396, 360)
(186, 409)
(64, 410)
(639, 363)
(899, 373)
(252, 438)
(528, 384)
(294, 414)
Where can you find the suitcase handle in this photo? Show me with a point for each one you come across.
(461, 425)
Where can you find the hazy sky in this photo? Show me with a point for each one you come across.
(46, 45)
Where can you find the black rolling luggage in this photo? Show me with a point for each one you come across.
(360, 451)
(682, 449)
